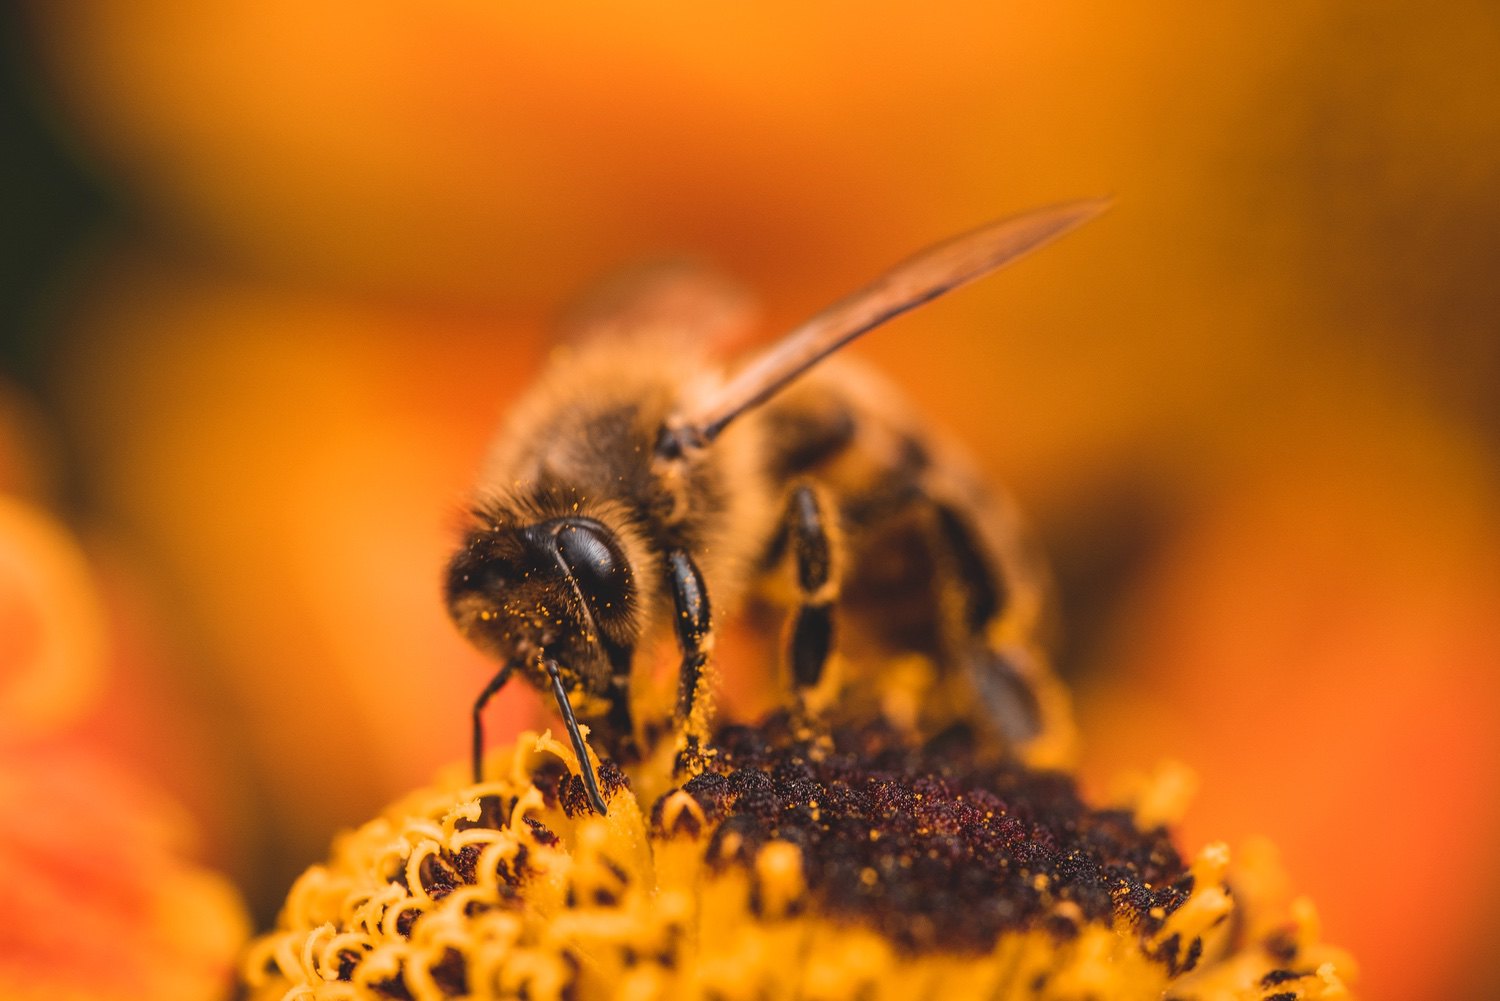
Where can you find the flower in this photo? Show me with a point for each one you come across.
(101, 901)
(851, 864)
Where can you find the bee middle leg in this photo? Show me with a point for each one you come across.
(815, 548)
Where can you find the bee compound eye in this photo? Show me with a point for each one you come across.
(593, 557)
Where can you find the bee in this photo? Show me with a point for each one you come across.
(637, 490)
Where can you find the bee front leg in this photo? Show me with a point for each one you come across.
(580, 748)
(496, 683)
(694, 638)
(815, 548)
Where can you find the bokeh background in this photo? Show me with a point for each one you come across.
(273, 269)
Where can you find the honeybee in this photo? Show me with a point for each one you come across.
(637, 489)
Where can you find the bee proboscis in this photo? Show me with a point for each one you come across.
(635, 482)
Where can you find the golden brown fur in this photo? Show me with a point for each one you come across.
(635, 490)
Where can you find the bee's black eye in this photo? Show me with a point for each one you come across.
(593, 557)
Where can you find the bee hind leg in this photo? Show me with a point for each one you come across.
(999, 673)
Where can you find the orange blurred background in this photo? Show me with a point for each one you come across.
(309, 251)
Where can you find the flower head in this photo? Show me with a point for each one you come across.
(845, 865)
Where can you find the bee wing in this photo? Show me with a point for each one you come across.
(671, 298)
(914, 281)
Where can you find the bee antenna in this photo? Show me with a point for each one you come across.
(585, 766)
(918, 279)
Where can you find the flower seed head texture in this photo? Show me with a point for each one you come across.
(849, 865)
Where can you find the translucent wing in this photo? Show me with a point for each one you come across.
(663, 297)
(914, 281)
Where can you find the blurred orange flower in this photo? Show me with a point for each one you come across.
(101, 902)
(1318, 643)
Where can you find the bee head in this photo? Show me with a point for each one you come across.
(562, 587)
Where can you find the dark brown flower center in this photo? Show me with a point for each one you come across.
(929, 846)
